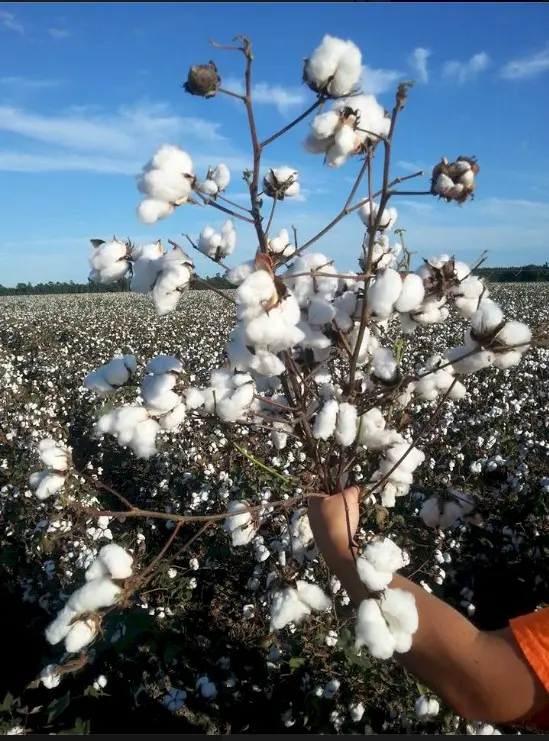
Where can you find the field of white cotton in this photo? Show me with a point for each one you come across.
(206, 645)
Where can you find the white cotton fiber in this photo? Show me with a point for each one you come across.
(313, 596)
(411, 295)
(58, 629)
(117, 560)
(286, 607)
(347, 424)
(371, 631)
(385, 555)
(94, 595)
(384, 292)
(79, 636)
(325, 421)
(372, 578)
(164, 364)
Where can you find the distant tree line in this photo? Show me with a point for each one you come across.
(27, 289)
(525, 274)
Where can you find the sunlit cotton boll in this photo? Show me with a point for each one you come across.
(241, 527)
(281, 182)
(108, 261)
(387, 219)
(80, 635)
(117, 561)
(326, 419)
(53, 455)
(426, 707)
(384, 292)
(174, 277)
(335, 67)
(46, 484)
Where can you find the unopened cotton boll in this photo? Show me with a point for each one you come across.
(79, 636)
(117, 560)
(346, 425)
(94, 595)
(326, 419)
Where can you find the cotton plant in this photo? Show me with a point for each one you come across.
(316, 354)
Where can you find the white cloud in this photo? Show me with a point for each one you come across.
(8, 22)
(513, 208)
(59, 33)
(376, 81)
(463, 72)
(410, 167)
(418, 62)
(526, 67)
(121, 132)
(28, 83)
(263, 93)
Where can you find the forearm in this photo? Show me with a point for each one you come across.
(461, 664)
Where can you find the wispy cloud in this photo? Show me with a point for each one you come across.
(263, 93)
(28, 83)
(108, 142)
(410, 166)
(463, 72)
(118, 132)
(512, 208)
(59, 33)
(526, 67)
(377, 81)
(8, 22)
(418, 62)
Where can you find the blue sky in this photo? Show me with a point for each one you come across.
(88, 91)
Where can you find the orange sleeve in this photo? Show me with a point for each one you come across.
(531, 632)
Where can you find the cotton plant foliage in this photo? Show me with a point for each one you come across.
(315, 352)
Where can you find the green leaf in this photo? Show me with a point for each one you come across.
(56, 707)
(296, 662)
(7, 702)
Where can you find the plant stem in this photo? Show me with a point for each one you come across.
(293, 123)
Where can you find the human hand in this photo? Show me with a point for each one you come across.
(334, 521)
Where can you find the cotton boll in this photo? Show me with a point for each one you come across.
(49, 678)
(373, 122)
(371, 631)
(312, 596)
(323, 125)
(320, 312)
(325, 422)
(149, 211)
(118, 370)
(194, 398)
(157, 393)
(53, 455)
(171, 157)
(221, 176)
(46, 484)
(117, 560)
(96, 570)
(93, 596)
(348, 71)
(79, 636)
(240, 526)
(59, 628)
(335, 67)
(286, 607)
(208, 187)
(356, 711)
(384, 364)
(464, 362)
(346, 425)
(373, 579)
(239, 274)
(173, 420)
(146, 267)
(143, 442)
(400, 612)
(384, 292)
(164, 364)
(411, 295)
(257, 289)
(164, 185)
(385, 555)
(281, 245)
(426, 706)
(487, 318)
(458, 391)
(466, 306)
(515, 334)
(387, 220)
(312, 145)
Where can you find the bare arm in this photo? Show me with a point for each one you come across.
(480, 675)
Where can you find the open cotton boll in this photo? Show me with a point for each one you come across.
(149, 210)
(157, 393)
(239, 273)
(384, 364)
(241, 527)
(117, 560)
(313, 596)
(221, 176)
(335, 67)
(165, 185)
(146, 268)
(171, 157)
(383, 293)
(208, 187)
(326, 419)
(323, 126)
(387, 219)
(194, 398)
(426, 706)
(59, 628)
(174, 419)
(516, 335)
(118, 370)
(286, 608)
(411, 295)
(464, 362)
(254, 291)
(346, 425)
(281, 182)
(79, 636)
(320, 312)
(385, 555)
(399, 610)
(164, 364)
(96, 570)
(486, 318)
(94, 595)
(371, 631)
(441, 514)
(108, 261)
(281, 244)
(372, 578)
(46, 483)
(373, 121)
(143, 441)
(53, 455)
(169, 288)
(348, 71)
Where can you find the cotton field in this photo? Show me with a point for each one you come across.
(195, 650)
